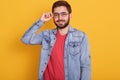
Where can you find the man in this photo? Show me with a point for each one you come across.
(65, 51)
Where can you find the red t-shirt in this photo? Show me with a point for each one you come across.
(55, 67)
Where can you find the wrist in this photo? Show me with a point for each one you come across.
(42, 20)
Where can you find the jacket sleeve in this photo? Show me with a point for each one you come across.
(30, 37)
(85, 59)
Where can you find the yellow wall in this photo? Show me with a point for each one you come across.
(100, 19)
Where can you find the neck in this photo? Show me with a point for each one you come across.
(64, 30)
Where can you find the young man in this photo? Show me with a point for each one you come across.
(65, 53)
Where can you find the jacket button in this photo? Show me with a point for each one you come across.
(45, 63)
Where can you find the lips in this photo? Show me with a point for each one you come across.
(60, 21)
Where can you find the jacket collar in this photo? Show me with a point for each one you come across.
(71, 29)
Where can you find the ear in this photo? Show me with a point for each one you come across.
(70, 15)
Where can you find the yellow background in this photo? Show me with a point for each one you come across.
(100, 19)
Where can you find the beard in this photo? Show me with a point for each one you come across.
(62, 26)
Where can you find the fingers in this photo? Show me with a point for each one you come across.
(48, 15)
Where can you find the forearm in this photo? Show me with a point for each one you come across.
(85, 60)
(86, 73)
(31, 32)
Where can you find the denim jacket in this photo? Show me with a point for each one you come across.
(77, 62)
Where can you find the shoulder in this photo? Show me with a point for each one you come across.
(49, 32)
(78, 33)
(46, 32)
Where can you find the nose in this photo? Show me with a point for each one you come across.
(59, 17)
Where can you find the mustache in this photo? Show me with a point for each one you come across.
(60, 20)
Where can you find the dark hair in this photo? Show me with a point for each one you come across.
(62, 3)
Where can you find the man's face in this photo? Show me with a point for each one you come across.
(61, 17)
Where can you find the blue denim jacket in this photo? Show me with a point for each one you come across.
(77, 62)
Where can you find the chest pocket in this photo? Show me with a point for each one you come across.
(74, 48)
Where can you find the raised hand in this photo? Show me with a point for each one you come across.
(46, 16)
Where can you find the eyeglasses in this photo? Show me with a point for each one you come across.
(62, 14)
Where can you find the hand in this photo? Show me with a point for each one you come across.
(46, 16)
